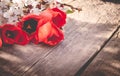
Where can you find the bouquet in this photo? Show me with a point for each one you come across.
(37, 21)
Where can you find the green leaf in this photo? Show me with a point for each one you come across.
(69, 11)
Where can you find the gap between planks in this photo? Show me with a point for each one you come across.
(82, 69)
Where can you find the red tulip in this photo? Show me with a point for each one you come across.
(29, 24)
(50, 34)
(12, 34)
(55, 15)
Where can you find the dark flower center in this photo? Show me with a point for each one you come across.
(10, 34)
(30, 26)
(52, 38)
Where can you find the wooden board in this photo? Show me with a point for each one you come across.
(107, 63)
(85, 33)
(86, 36)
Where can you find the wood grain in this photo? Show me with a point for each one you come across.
(85, 32)
(107, 63)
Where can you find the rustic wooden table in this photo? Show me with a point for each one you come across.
(91, 46)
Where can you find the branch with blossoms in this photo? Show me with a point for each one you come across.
(13, 10)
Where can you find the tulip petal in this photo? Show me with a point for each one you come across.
(57, 16)
(0, 42)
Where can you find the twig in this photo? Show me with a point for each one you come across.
(64, 4)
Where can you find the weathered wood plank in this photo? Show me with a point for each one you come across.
(17, 59)
(107, 63)
(85, 32)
